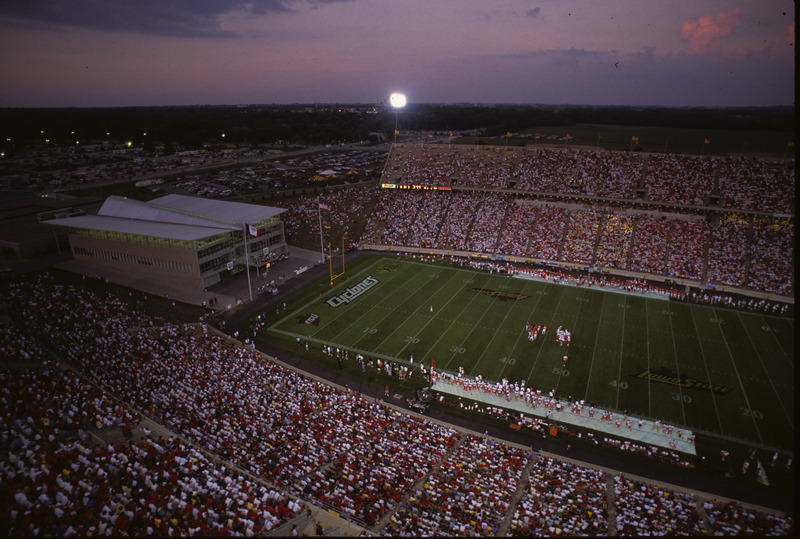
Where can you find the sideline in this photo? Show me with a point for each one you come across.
(649, 433)
(597, 286)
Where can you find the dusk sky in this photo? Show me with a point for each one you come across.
(76, 53)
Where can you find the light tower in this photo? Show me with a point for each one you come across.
(397, 101)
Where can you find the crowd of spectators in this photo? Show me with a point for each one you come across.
(429, 165)
(468, 494)
(562, 498)
(727, 250)
(390, 223)
(428, 221)
(687, 248)
(373, 477)
(615, 175)
(548, 235)
(485, 230)
(581, 172)
(680, 179)
(737, 251)
(346, 210)
(771, 261)
(648, 253)
(756, 184)
(615, 241)
(486, 169)
(456, 221)
(644, 509)
(745, 252)
(730, 518)
(738, 183)
(581, 237)
(252, 438)
(518, 229)
(57, 482)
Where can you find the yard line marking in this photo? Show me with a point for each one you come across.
(541, 346)
(475, 326)
(309, 303)
(785, 354)
(708, 373)
(677, 365)
(574, 324)
(455, 274)
(621, 345)
(383, 301)
(371, 307)
(594, 348)
(497, 330)
(519, 334)
(334, 344)
(443, 333)
(741, 384)
(780, 401)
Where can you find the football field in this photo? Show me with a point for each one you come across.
(713, 370)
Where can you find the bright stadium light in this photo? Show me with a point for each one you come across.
(397, 101)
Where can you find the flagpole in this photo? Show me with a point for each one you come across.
(247, 262)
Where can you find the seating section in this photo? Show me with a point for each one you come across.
(652, 214)
(562, 498)
(251, 442)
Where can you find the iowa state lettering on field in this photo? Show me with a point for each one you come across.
(667, 376)
(352, 293)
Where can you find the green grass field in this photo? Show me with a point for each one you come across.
(656, 139)
(741, 364)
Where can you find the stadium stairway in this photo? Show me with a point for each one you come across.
(562, 243)
(515, 498)
(418, 485)
(107, 436)
(496, 244)
(611, 504)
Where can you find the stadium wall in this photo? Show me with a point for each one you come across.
(171, 267)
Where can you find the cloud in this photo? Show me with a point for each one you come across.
(533, 12)
(701, 35)
(788, 35)
(182, 18)
(609, 77)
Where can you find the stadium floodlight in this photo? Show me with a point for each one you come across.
(397, 101)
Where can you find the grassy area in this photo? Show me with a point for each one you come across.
(652, 139)
(717, 371)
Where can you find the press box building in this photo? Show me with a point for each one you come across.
(180, 241)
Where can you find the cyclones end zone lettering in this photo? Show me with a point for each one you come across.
(353, 292)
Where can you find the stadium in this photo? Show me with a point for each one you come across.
(539, 341)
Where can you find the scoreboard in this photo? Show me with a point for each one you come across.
(421, 187)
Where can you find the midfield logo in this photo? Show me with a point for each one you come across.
(352, 293)
(502, 296)
(310, 318)
(667, 376)
(388, 267)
